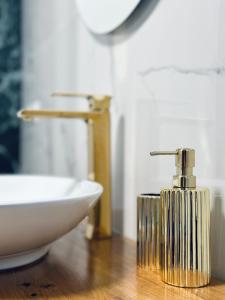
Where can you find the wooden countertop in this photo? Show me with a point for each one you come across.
(78, 269)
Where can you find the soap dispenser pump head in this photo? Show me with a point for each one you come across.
(185, 162)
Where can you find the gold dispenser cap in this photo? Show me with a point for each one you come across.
(185, 162)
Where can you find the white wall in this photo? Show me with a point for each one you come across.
(165, 68)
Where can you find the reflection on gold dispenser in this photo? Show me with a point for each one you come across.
(98, 120)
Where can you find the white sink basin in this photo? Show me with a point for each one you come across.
(37, 210)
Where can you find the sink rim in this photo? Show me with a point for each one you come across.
(52, 199)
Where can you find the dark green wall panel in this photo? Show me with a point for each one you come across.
(10, 83)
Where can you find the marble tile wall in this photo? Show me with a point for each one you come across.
(165, 68)
(10, 84)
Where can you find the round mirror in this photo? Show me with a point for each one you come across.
(104, 16)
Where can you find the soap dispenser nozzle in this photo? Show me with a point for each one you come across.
(184, 161)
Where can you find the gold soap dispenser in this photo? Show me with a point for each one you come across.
(185, 226)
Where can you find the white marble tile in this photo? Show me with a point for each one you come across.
(178, 33)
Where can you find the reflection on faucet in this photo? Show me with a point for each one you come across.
(98, 121)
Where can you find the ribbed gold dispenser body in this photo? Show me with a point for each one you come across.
(185, 253)
(148, 231)
(185, 225)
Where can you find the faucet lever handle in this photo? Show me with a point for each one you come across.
(97, 102)
(71, 94)
(80, 95)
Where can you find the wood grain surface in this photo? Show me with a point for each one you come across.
(106, 269)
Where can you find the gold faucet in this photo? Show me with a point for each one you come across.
(99, 168)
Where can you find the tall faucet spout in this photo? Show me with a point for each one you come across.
(99, 167)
